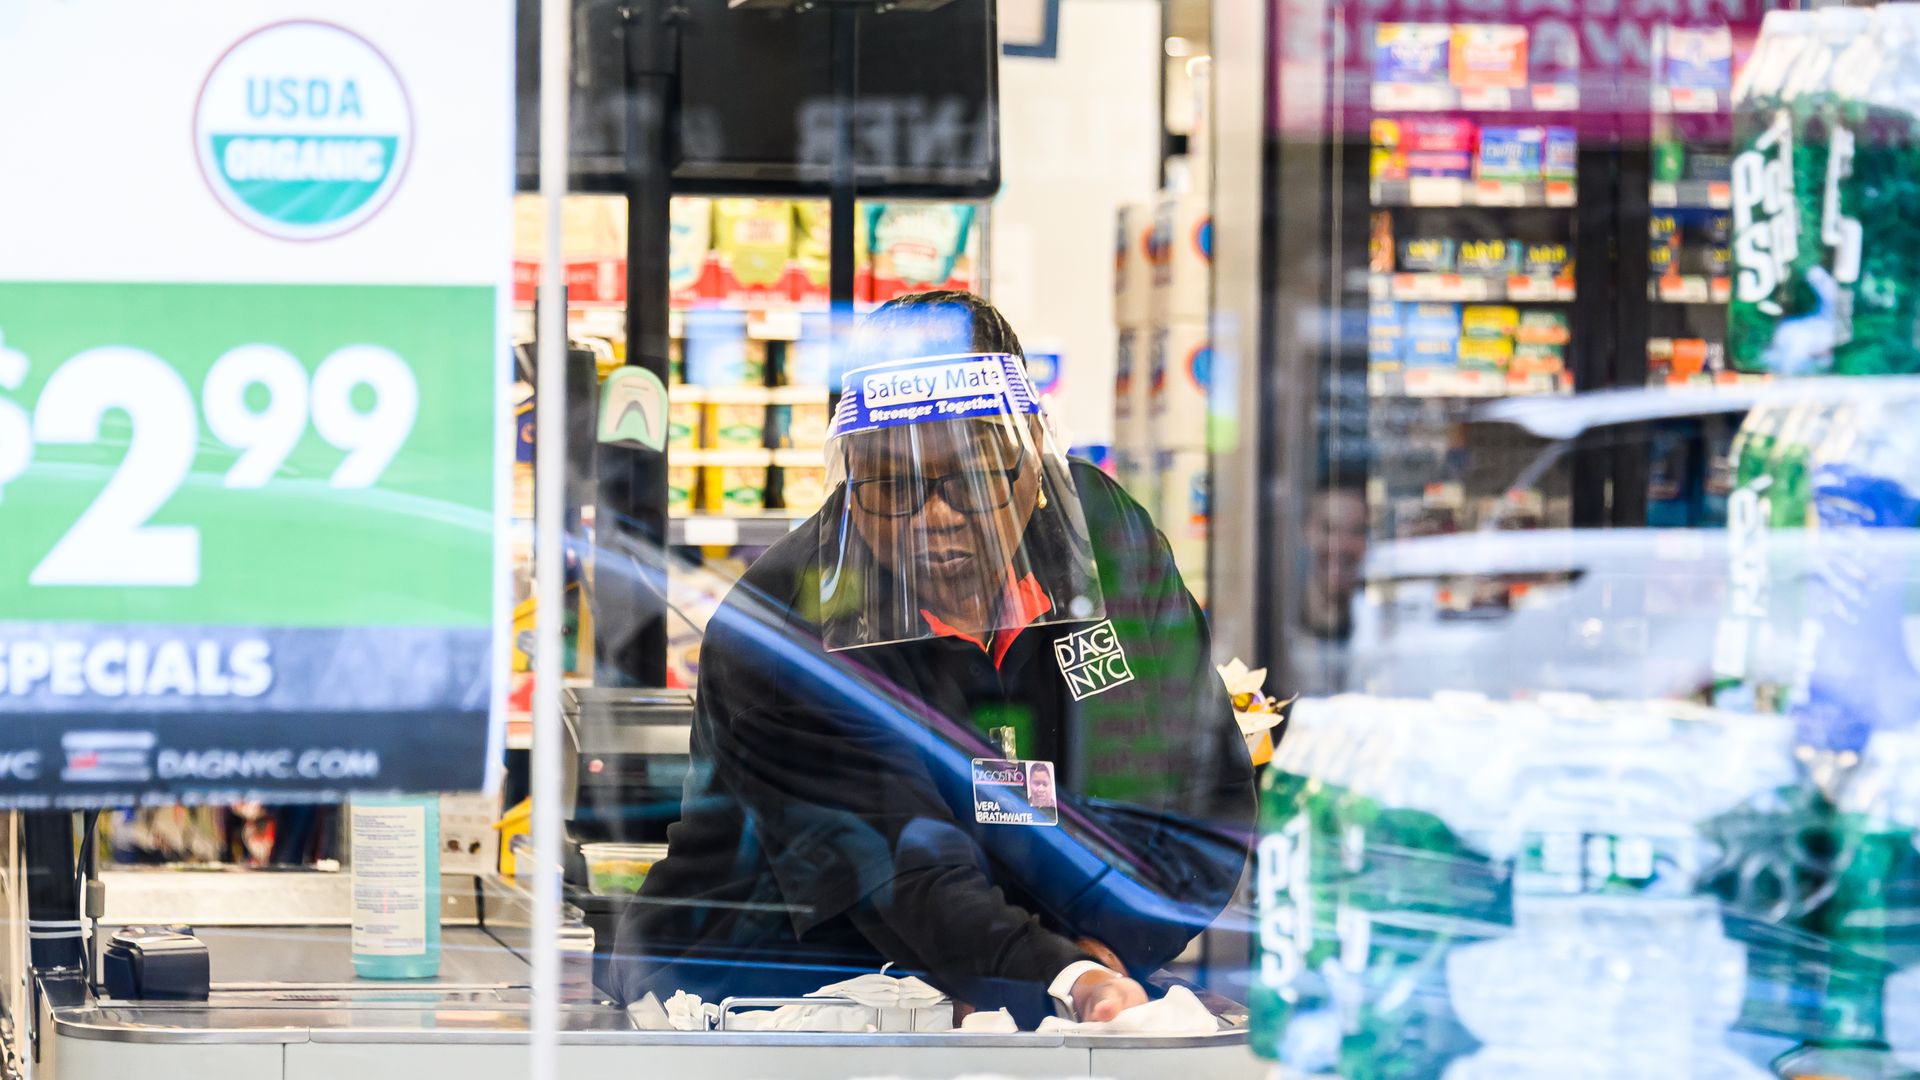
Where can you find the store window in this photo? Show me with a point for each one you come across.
(1071, 537)
(684, 600)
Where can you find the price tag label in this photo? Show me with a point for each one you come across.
(710, 531)
(1719, 195)
(1490, 98)
(1435, 191)
(1500, 193)
(1693, 99)
(1556, 97)
(1663, 194)
(1524, 287)
(1411, 97)
(774, 324)
(1560, 193)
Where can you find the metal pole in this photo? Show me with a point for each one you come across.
(550, 471)
(630, 522)
(844, 59)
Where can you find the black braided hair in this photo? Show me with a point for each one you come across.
(991, 331)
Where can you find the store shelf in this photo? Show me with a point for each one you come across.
(1710, 380)
(1467, 288)
(718, 530)
(1684, 99)
(1443, 191)
(1689, 194)
(1423, 97)
(1690, 289)
(1450, 382)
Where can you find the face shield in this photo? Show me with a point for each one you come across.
(954, 512)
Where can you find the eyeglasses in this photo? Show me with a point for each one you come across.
(970, 491)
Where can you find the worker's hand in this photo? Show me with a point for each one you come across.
(1102, 955)
(1101, 995)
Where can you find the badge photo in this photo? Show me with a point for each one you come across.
(1011, 792)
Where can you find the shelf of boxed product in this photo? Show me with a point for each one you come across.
(1444, 381)
(1691, 194)
(765, 257)
(1445, 97)
(1446, 349)
(1693, 362)
(1441, 191)
(745, 452)
(1467, 288)
(1452, 67)
(1690, 289)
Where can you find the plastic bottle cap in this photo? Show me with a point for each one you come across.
(1902, 16)
(1783, 22)
(1844, 22)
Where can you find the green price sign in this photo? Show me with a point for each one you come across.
(266, 502)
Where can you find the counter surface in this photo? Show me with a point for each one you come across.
(282, 985)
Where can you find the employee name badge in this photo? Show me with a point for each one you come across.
(1008, 792)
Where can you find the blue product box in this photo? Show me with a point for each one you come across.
(1431, 322)
(1431, 353)
(1383, 320)
(1511, 153)
(1383, 351)
(1560, 154)
(1411, 53)
(1698, 58)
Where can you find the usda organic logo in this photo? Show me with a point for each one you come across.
(303, 130)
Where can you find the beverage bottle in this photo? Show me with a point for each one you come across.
(1749, 561)
(1767, 229)
(1861, 674)
(1882, 188)
(1359, 897)
(1788, 543)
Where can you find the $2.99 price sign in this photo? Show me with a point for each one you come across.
(252, 499)
(111, 542)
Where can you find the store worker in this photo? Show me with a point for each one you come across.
(963, 720)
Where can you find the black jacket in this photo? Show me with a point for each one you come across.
(829, 826)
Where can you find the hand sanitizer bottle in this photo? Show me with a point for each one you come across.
(396, 886)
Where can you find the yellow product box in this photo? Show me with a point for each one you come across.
(686, 418)
(803, 479)
(1485, 353)
(801, 416)
(736, 480)
(1489, 321)
(683, 482)
(754, 241)
(737, 417)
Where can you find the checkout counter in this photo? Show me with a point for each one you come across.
(284, 1003)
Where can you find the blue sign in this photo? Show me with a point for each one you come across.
(1043, 368)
